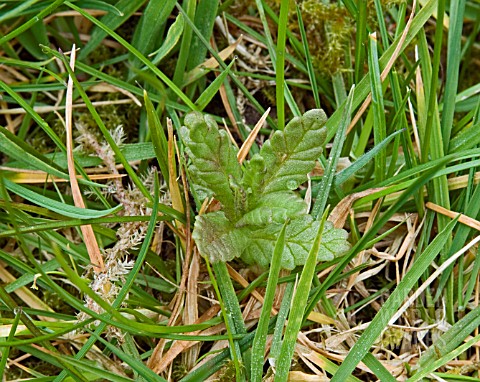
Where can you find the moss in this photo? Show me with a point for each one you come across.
(329, 27)
(114, 115)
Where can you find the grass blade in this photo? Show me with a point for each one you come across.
(159, 138)
(454, 56)
(207, 95)
(389, 308)
(110, 21)
(308, 59)
(136, 53)
(327, 179)
(61, 208)
(379, 123)
(280, 63)
(259, 342)
(297, 311)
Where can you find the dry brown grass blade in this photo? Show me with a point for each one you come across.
(434, 276)
(179, 346)
(49, 109)
(175, 194)
(341, 211)
(464, 219)
(243, 152)
(363, 257)
(313, 352)
(211, 63)
(108, 88)
(244, 283)
(23, 176)
(190, 313)
(88, 235)
(387, 68)
(179, 299)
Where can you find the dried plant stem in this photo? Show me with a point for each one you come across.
(87, 230)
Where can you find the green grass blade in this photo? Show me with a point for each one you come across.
(159, 139)
(204, 21)
(366, 158)
(431, 71)
(207, 95)
(6, 349)
(389, 308)
(61, 208)
(360, 40)
(457, 10)
(308, 59)
(297, 311)
(28, 24)
(171, 40)
(136, 53)
(236, 80)
(285, 306)
(259, 342)
(445, 359)
(18, 10)
(33, 38)
(280, 63)
(231, 312)
(181, 63)
(17, 149)
(34, 115)
(110, 21)
(363, 87)
(378, 369)
(102, 127)
(379, 123)
(150, 25)
(451, 339)
(370, 234)
(381, 24)
(124, 291)
(327, 179)
(135, 364)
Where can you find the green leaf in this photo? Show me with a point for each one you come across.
(215, 169)
(217, 238)
(285, 160)
(256, 206)
(300, 235)
(275, 207)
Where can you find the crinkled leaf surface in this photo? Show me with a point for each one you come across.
(285, 160)
(275, 207)
(214, 168)
(218, 238)
(258, 198)
(299, 238)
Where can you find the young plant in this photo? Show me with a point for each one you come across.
(257, 198)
